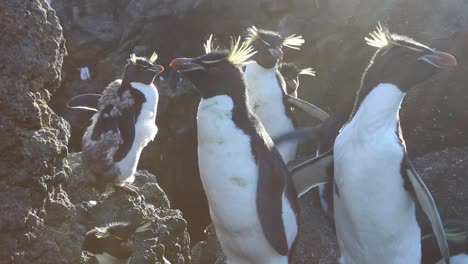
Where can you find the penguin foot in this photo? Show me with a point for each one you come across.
(129, 188)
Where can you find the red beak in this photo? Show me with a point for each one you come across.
(185, 64)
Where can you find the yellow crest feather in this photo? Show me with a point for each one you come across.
(102, 232)
(240, 52)
(307, 71)
(144, 227)
(456, 236)
(133, 58)
(380, 37)
(252, 34)
(293, 42)
(209, 45)
(153, 57)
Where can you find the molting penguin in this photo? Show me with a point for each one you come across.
(374, 181)
(123, 125)
(290, 73)
(114, 243)
(457, 236)
(267, 93)
(253, 204)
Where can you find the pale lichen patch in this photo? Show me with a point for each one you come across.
(241, 182)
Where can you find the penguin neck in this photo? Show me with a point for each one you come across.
(379, 109)
(255, 68)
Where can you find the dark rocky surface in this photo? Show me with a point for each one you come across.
(168, 235)
(34, 138)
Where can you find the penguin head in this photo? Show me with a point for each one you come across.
(218, 71)
(141, 69)
(269, 45)
(402, 61)
(115, 240)
(291, 74)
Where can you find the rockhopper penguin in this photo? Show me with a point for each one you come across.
(267, 94)
(114, 243)
(290, 73)
(122, 126)
(375, 184)
(253, 204)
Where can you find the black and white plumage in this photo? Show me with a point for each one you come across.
(267, 94)
(253, 204)
(457, 237)
(375, 184)
(291, 73)
(122, 126)
(113, 243)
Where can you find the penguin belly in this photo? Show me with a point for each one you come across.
(266, 101)
(145, 131)
(374, 214)
(229, 174)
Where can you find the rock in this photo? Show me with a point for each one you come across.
(167, 238)
(35, 138)
(444, 173)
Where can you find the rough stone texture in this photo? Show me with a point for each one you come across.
(34, 138)
(444, 173)
(168, 236)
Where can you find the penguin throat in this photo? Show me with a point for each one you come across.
(255, 68)
(380, 107)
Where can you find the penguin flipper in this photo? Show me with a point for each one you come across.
(272, 178)
(85, 101)
(426, 201)
(307, 107)
(126, 126)
(311, 173)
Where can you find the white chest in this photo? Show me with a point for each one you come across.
(266, 101)
(375, 218)
(145, 131)
(229, 174)
(227, 167)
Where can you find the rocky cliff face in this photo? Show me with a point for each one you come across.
(34, 137)
(46, 207)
